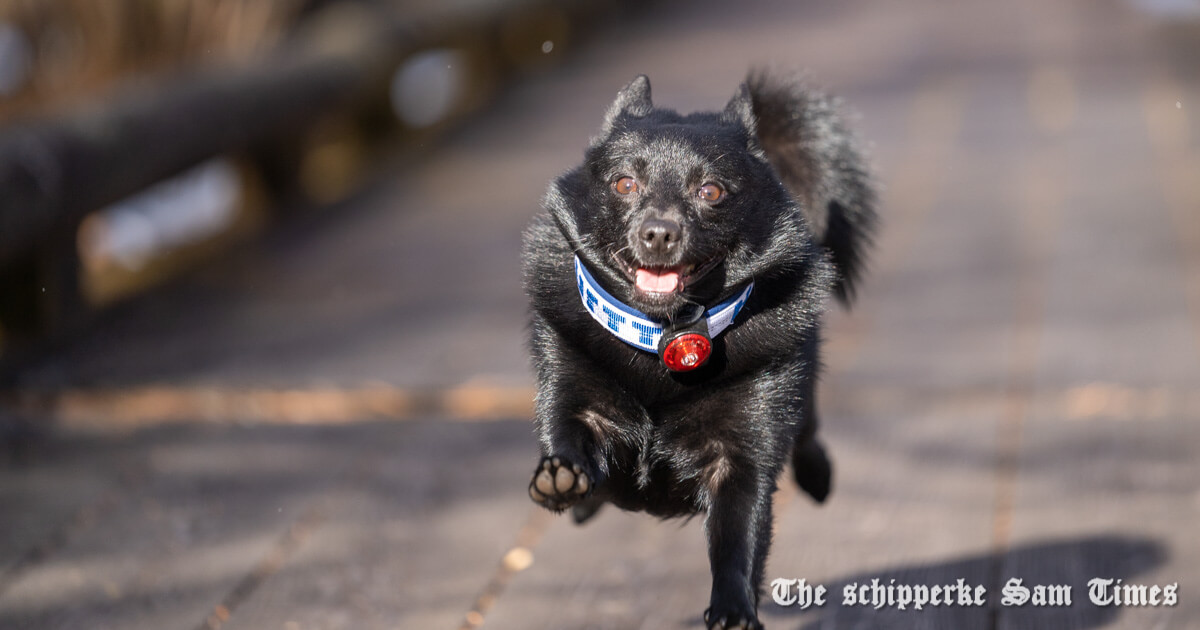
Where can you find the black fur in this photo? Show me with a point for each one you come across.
(816, 157)
(615, 425)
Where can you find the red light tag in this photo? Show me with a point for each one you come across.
(687, 352)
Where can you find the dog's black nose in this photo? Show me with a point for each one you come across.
(659, 236)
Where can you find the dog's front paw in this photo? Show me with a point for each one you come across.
(557, 484)
(724, 619)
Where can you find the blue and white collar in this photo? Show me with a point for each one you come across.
(635, 327)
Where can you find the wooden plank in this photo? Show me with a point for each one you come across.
(1113, 496)
(255, 527)
(52, 490)
(1106, 498)
(211, 506)
(410, 536)
(621, 570)
(915, 501)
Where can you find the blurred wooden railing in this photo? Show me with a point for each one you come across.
(340, 62)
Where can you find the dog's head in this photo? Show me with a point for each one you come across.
(674, 210)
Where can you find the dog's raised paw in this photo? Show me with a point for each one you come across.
(727, 621)
(558, 484)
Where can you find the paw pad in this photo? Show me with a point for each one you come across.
(557, 484)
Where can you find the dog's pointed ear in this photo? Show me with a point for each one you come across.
(740, 110)
(633, 99)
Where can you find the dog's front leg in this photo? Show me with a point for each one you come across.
(739, 533)
(573, 462)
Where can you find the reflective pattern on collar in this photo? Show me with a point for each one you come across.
(635, 327)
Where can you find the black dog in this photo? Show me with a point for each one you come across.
(677, 281)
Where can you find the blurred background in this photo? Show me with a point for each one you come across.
(262, 355)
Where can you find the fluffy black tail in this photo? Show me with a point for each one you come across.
(817, 158)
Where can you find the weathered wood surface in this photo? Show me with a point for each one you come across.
(1016, 395)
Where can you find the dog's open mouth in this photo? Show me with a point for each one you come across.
(657, 281)
(661, 281)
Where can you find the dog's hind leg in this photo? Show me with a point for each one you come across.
(811, 468)
(583, 511)
(810, 465)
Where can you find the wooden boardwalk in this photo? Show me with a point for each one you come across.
(330, 429)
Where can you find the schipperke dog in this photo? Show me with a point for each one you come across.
(677, 281)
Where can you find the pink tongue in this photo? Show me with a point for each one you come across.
(658, 283)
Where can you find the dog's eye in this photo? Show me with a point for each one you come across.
(625, 186)
(711, 193)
